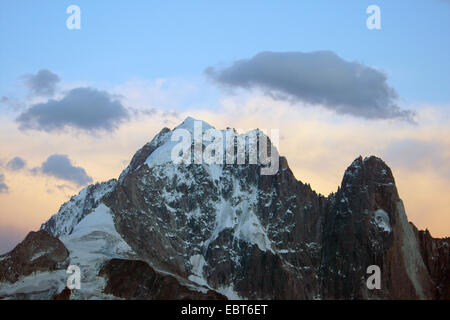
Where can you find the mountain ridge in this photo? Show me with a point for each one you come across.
(230, 230)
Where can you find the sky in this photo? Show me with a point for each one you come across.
(76, 104)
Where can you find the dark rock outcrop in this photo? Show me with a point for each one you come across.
(366, 225)
(39, 251)
(136, 280)
(436, 255)
(63, 295)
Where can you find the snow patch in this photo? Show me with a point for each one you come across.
(243, 220)
(197, 262)
(93, 241)
(163, 154)
(73, 211)
(381, 220)
(229, 292)
(250, 229)
(38, 285)
(194, 288)
(38, 255)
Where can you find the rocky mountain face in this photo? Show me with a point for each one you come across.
(366, 221)
(435, 254)
(38, 253)
(135, 279)
(209, 231)
(79, 206)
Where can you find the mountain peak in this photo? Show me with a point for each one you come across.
(189, 124)
(229, 229)
(369, 176)
(369, 166)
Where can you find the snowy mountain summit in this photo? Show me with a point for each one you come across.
(216, 230)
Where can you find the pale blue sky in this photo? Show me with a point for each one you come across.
(122, 40)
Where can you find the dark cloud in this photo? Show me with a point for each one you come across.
(60, 166)
(82, 108)
(42, 83)
(319, 77)
(3, 187)
(16, 163)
